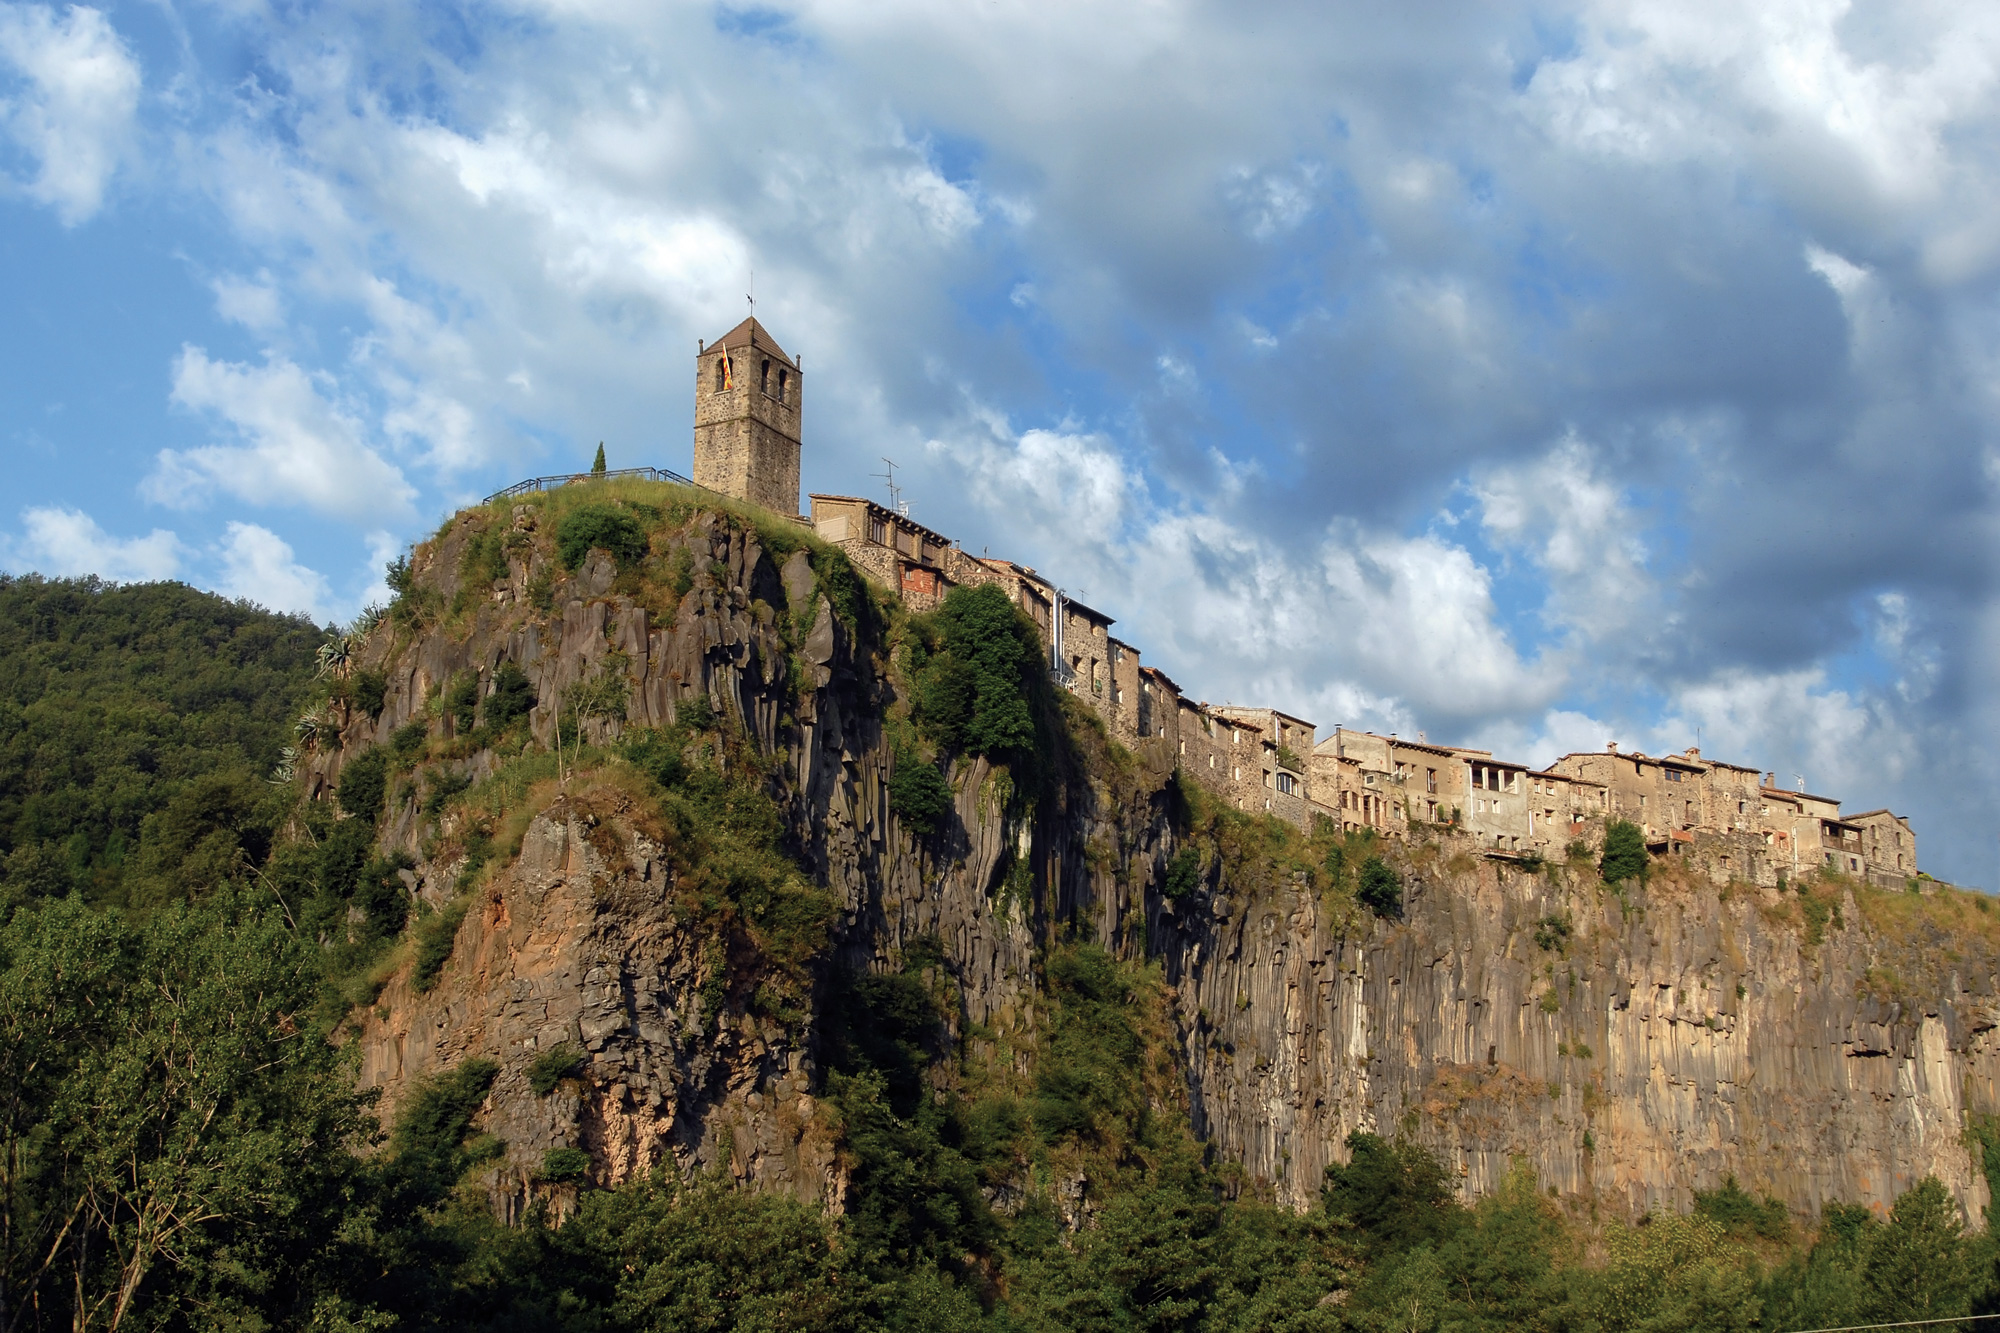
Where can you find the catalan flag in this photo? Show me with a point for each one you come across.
(728, 373)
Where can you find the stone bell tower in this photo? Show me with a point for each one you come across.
(746, 418)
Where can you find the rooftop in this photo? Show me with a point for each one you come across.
(752, 334)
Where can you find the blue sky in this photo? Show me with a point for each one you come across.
(1530, 376)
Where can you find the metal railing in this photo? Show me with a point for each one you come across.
(564, 479)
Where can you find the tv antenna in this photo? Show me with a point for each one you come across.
(751, 295)
(1800, 778)
(896, 501)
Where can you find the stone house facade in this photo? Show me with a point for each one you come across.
(1733, 821)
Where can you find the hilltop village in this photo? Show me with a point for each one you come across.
(1728, 820)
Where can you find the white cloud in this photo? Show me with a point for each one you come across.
(258, 565)
(73, 109)
(1560, 513)
(297, 447)
(257, 306)
(1358, 626)
(64, 543)
(1792, 722)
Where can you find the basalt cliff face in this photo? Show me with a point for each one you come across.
(1632, 1047)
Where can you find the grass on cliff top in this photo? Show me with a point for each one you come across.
(657, 574)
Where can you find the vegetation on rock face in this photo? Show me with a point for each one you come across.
(1624, 853)
(918, 794)
(977, 671)
(599, 527)
(183, 1145)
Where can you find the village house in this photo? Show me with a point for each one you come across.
(1731, 821)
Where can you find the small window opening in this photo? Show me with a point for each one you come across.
(764, 375)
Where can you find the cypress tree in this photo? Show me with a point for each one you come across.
(597, 464)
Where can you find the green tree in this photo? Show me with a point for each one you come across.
(669, 1258)
(1381, 890)
(171, 1115)
(1624, 853)
(1919, 1265)
(597, 464)
(978, 667)
(1396, 1195)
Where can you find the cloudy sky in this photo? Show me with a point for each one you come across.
(1527, 376)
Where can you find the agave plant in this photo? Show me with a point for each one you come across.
(335, 657)
(308, 726)
(287, 769)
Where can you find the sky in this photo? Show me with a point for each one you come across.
(1523, 376)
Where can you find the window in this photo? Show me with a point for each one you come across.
(1742, 807)
(1399, 772)
(1642, 802)
(764, 375)
(784, 380)
(1674, 775)
(1431, 783)
(1236, 773)
(721, 375)
(1288, 784)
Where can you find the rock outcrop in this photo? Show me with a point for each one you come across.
(1632, 1047)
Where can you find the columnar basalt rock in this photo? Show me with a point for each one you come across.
(1632, 1046)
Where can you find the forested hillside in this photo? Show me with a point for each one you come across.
(137, 726)
(203, 941)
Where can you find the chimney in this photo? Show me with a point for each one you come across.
(1694, 753)
(1611, 747)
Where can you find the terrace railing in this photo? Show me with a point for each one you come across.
(564, 479)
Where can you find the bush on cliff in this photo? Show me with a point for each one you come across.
(512, 698)
(1381, 890)
(976, 664)
(591, 527)
(918, 794)
(364, 784)
(1624, 853)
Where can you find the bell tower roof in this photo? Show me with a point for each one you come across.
(752, 334)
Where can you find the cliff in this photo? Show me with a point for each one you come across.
(1633, 1044)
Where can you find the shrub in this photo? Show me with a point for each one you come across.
(443, 786)
(552, 1067)
(975, 661)
(364, 783)
(696, 713)
(1552, 932)
(599, 527)
(367, 690)
(1183, 873)
(1624, 853)
(1381, 889)
(512, 698)
(1742, 1214)
(429, 1142)
(918, 794)
(659, 754)
(560, 1166)
(437, 935)
(461, 700)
